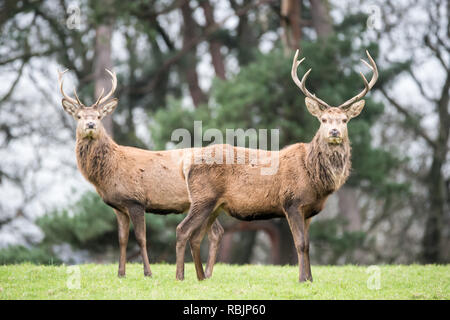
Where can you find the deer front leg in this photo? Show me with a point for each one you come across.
(298, 228)
(137, 215)
(123, 221)
(307, 261)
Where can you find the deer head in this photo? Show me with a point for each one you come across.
(333, 120)
(89, 118)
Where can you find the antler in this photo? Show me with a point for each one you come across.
(61, 81)
(302, 84)
(101, 100)
(367, 85)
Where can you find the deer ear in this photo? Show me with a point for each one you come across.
(355, 109)
(313, 107)
(108, 107)
(69, 107)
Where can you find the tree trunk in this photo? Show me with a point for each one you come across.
(321, 18)
(348, 207)
(246, 39)
(198, 96)
(432, 239)
(290, 22)
(102, 60)
(288, 254)
(214, 44)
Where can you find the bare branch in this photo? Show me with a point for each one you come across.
(192, 44)
(418, 130)
(28, 55)
(436, 51)
(421, 87)
(14, 84)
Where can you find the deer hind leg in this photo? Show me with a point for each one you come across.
(123, 221)
(198, 213)
(196, 240)
(215, 234)
(137, 214)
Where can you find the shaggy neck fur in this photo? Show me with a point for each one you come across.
(96, 157)
(327, 165)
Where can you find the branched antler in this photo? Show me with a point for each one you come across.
(367, 85)
(302, 84)
(101, 100)
(61, 81)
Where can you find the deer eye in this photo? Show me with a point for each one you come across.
(324, 120)
(79, 117)
(344, 120)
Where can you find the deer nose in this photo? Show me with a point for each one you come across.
(334, 133)
(90, 125)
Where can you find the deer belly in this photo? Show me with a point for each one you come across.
(249, 210)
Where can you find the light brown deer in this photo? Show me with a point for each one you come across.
(130, 180)
(307, 174)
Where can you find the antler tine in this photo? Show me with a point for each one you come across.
(61, 81)
(367, 85)
(76, 96)
(99, 97)
(113, 87)
(302, 84)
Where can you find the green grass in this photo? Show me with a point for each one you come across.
(28, 281)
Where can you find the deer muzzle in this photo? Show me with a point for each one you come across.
(334, 137)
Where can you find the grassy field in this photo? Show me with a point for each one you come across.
(95, 281)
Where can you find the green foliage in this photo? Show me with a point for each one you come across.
(331, 241)
(80, 224)
(90, 224)
(20, 254)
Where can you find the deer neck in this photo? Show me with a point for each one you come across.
(328, 165)
(95, 157)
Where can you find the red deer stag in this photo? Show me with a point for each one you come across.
(307, 174)
(132, 181)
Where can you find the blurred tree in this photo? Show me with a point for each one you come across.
(214, 41)
(190, 28)
(290, 22)
(102, 57)
(320, 16)
(427, 44)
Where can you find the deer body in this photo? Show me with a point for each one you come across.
(307, 174)
(123, 175)
(130, 180)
